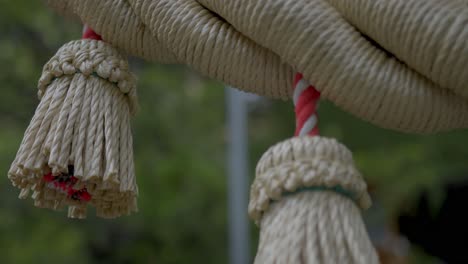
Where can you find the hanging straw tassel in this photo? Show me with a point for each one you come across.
(78, 147)
(306, 197)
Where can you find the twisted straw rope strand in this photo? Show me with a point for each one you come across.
(255, 45)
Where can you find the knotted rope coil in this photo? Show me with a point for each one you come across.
(78, 147)
(91, 58)
(400, 64)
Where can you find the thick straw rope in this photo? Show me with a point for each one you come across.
(255, 45)
(423, 27)
(80, 136)
(306, 195)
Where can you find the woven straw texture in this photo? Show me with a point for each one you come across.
(310, 226)
(400, 64)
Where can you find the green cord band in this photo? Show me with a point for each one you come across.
(337, 189)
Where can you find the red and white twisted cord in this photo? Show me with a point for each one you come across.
(305, 99)
(88, 33)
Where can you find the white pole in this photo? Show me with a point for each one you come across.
(239, 239)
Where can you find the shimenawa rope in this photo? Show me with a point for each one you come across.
(399, 64)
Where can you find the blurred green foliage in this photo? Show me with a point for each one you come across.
(180, 137)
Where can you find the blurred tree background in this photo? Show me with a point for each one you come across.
(180, 139)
